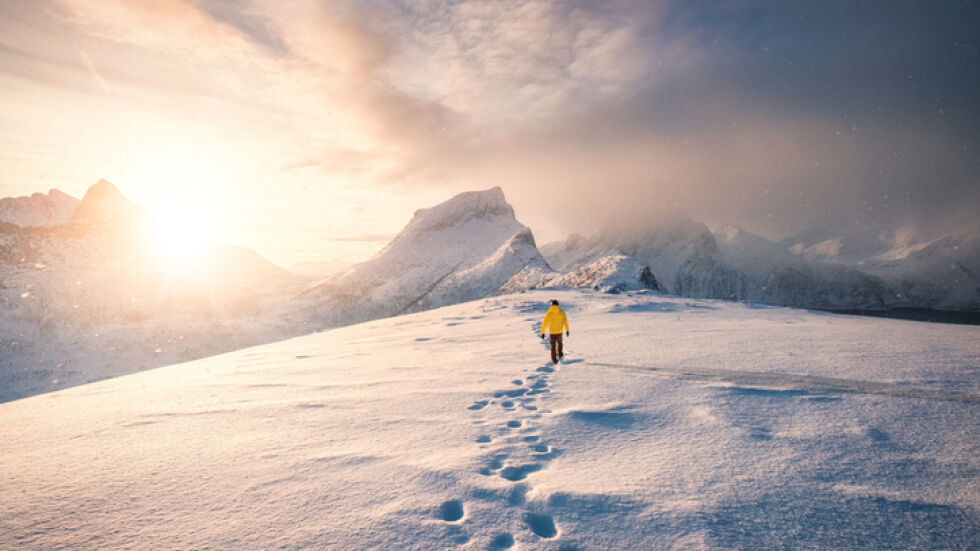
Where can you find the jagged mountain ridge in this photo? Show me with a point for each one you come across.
(811, 269)
(39, 209)
(854, 248)
(689, 260)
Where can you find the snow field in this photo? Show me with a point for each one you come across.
(673, 423)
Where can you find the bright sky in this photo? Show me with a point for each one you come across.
(313, 129)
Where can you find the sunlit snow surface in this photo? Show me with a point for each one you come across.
(672, 424)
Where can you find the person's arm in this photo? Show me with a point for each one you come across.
(544, 324)
(568, 329)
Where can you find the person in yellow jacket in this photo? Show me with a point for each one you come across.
(555, 321)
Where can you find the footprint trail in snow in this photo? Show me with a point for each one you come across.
(514, 450)
(517, 449)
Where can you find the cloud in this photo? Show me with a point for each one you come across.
(771, 115)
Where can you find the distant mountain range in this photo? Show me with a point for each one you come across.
(82, 295)
(814, 269)
(38, 209)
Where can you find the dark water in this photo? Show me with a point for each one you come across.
(916, 314)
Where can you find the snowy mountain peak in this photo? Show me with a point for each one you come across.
(486, 204)
(103, 190)
(461, 249)
(103, 202)
(732, 233)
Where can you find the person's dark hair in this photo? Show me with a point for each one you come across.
(554, 302)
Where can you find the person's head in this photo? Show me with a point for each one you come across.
(554, 303)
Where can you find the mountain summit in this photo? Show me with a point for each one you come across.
(459, 250)
(103, 204)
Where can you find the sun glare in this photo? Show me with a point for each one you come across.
(182, 236)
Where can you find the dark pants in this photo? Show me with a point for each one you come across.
(556, 348)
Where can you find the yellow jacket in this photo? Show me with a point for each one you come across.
(555, 321)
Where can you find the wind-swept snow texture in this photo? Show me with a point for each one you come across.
(673, 423)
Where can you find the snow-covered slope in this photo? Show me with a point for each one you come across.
(89, 299)
(38, 209)
(610, 274)
(462, 249)
(673, 424)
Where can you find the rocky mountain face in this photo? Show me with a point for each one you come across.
(38, 210)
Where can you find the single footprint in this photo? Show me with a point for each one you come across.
(531, 438)
(501, 542)
(517, 382)
(543, 526)
(479, 404)
(507, 404)
(519, 473)
(498, 461)
(513, 424)
(540, 448)
(483, 439)
(451, 511)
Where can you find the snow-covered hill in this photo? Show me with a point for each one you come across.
(673, 424)
(462, 249)
(39, 209)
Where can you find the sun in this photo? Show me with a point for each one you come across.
(181, 236)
